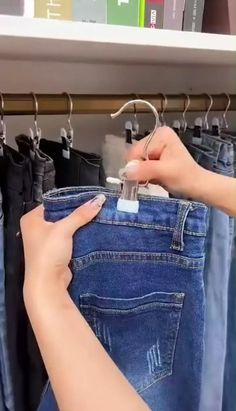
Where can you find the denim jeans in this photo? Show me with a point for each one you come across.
(6, 388)
(229, 399)
(138, 281)
(216, 278)
(27, 370)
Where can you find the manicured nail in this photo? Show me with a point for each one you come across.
(130, 168)
(98, 201)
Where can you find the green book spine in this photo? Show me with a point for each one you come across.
(142, 13)
(123, 12)
(53, 9)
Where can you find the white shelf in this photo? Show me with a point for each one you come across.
(38, 39)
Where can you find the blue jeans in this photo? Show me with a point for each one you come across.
(6, 389)
(138, 281)
(229, 399)
(216, 278)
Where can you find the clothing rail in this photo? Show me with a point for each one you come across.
(24, 104)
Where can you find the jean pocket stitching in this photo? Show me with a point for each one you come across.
(173, 331)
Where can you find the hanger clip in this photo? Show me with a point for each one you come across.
(67, 142)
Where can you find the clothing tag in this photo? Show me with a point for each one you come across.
(153, 190)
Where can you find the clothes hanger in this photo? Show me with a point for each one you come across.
(164, 103)
(187, 103)
(135, 122)
(67, 135)
(128, 201)
(205, 121)
(36, 134)
(3, 128)
(224, 123)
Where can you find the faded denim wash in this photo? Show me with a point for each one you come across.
(216, 273)
(138, 281)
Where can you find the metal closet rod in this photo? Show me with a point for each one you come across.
(24, 104)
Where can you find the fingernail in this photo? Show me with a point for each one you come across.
(130, 168)
(98, 201)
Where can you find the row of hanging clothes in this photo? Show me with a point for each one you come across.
(40, 165)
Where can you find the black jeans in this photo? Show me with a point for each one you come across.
(42, 168)
(18, 190)
(81, 169)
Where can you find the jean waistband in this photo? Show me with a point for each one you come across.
(154, 212)
(222, 149)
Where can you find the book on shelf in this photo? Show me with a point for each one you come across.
(154, 14)
(91, 11)
(123, 12)
(173, 14)
(193, 15)
(142, 13)
(220, 16)
(53, 9)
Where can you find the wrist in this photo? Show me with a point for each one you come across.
(40, 293)
(196, 183)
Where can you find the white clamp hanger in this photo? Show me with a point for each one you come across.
(128, 201)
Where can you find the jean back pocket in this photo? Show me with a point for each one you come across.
(138, 333)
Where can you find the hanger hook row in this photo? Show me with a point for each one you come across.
(225, 123)
(157, 121)
(211, 102)
(70, 108)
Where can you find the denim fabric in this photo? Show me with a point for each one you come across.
(42, 167)
(16, 180)
(216, 278)
(138, 281)
(81, 169)
(6, 388)
(229, 399)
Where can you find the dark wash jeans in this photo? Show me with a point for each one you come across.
(138, 281)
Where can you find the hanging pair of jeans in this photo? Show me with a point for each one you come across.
(20, 195)
(6, 387)
(80, 169)
(216, 277)
(138, 281)
(15, 175)
(229, 400)
(42, 168)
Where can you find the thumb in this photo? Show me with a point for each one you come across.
(82, 215)
(147, 170)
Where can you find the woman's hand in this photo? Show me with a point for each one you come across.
(48, 246)
(170, 164)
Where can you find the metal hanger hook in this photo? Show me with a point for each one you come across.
(164, 103)
(225, 123)
(206, 124)
(2, 122)
(36, 111)
(2, 109)
(70, 109)
(157, 121)
(186, 107)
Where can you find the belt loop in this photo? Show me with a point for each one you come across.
(178, 236)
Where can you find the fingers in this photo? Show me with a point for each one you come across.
(82, 215)
(144, 170)
(34, 216)
(161, 138)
